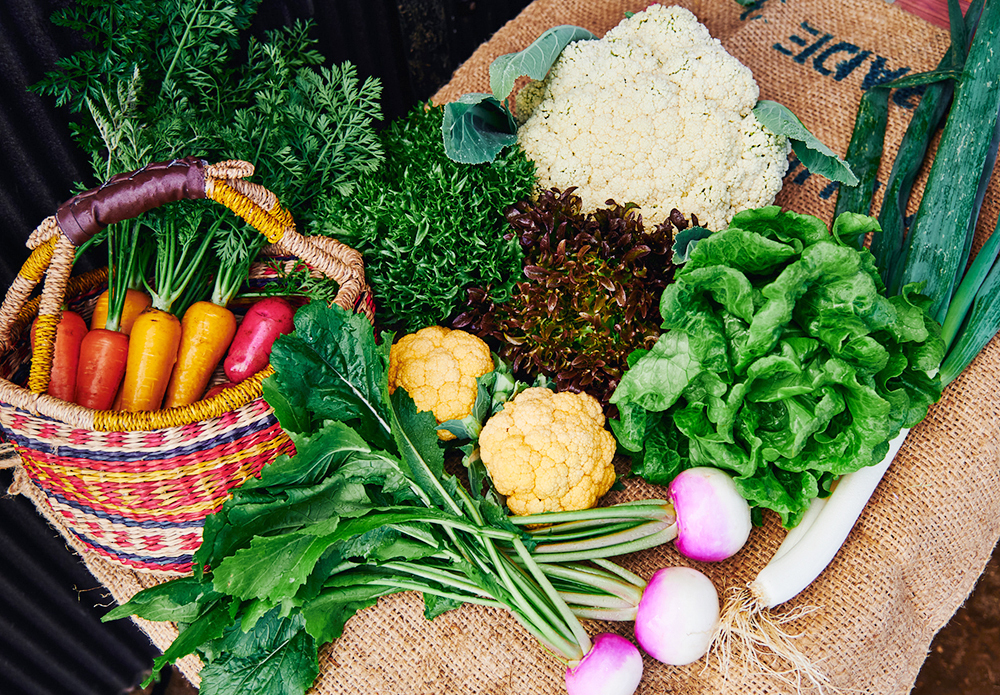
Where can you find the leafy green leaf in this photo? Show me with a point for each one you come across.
(745, 251)
(782, 361)
(851, 228)
(814, 155)
(476, 128)
(342, 597)
(437, 605)
(417, 442)
(782, 225)
(178, 600)
(657, 380)
(277, 657)
(337, 379)
(685, 240)
(291, 418)
(211, 624)
(664, 452)
(272, 567)
(535, 60)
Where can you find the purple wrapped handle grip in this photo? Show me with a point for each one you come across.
(128, 195)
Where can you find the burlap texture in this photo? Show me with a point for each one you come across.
(926, 535)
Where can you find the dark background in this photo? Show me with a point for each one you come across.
(51, 637)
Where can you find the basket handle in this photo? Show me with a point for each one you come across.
(130, 194)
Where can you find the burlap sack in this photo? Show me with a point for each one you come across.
(927, 533)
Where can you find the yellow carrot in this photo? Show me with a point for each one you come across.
(207, 329)
(152, 352)
(136, 302)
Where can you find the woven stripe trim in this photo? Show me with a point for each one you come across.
(58, 500)
(181, 563)
(169, 550)
(180, 498)
(105, 455)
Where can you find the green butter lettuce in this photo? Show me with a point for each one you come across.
(782, 361)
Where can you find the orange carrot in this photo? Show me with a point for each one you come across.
(152, 351)
(70, 331)
(103, 355)
(118, 396)
(136, 302)
(207, 329)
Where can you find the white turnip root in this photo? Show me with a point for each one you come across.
(613, 666)
(713, 519)
(677, 615)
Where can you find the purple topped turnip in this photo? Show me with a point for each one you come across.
(704, 514)
(713, 519)
(613, 666)
(677, 615)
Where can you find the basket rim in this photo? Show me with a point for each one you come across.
(126, 196)
(230, 399)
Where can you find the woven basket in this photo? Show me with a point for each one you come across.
(135, 488)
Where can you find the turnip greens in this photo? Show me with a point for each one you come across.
(365, 508)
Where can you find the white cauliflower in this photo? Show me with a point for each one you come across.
(656, 113)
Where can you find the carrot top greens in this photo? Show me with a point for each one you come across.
(165, 80)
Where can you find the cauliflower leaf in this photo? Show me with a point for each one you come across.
(814, 155)
(477, 128)
(535, 60)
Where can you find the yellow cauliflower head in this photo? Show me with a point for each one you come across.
(549, 451)
(438, 367)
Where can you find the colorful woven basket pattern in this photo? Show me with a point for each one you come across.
(141, 497)
(136, 487)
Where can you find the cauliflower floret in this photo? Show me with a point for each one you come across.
(549, 451)
(656, 113)
(438, 367)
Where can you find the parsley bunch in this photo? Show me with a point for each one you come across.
(430, 227)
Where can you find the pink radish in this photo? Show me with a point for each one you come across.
(251, 348)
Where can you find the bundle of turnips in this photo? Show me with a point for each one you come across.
(367, 507)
